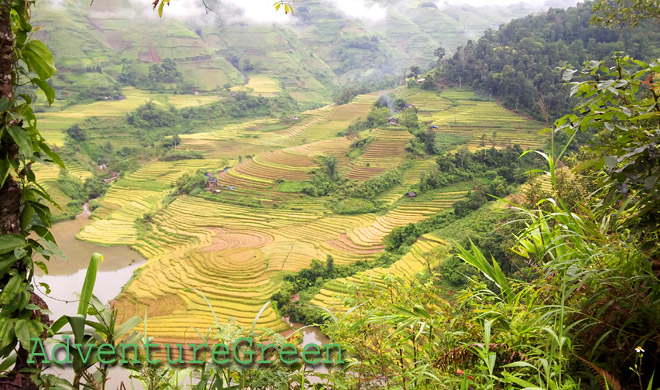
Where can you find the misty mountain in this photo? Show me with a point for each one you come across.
(326, 44)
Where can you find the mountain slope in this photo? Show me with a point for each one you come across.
(317, 50)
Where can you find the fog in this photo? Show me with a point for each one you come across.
(262, 11)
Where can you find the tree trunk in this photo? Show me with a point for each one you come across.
(10, 193)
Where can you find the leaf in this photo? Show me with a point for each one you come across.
(52, 248)
(19, 253)
(263, 308)
(52, 154)
(88, 284)
(47, 89)
(604, 376)
(42, 266)
(22, 139)
(9, 242)
(11, 289)
(39, 58)
(46, 287)
(4, 171)
(160, 9)
(22, 333)
(611, 162)
(127, 326)
(78, 327)
(5, 104)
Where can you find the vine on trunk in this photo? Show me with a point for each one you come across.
(26, 64)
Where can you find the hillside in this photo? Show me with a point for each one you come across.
(518, 62)
(100, 46)
(236, 237)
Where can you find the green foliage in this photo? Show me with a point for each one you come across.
(326, 179)
(176, 155)
(291, 186)
(518, 62)
(164, 72)
(151, 115)
(625, 150)
(192, 184)
(404, 236)
(26, 218)
(377, 117)
(408, 118)
(630, 12)
(306, 283)
(346, 93)
(351, 206)
(464, 165)
(76, 133)
(372, 188)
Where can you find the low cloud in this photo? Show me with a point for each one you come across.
(358, 9)
(194, 11)
(534, 3)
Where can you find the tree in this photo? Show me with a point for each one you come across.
(631, 12)
(625, 151)
(440, 53)
(76, 133)
(24, 216)
(429, 141)
(378, 116)
(329, 267)
(330, 165)
(410, 120)
(415, 71)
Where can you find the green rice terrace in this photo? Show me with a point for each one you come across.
(252, 221)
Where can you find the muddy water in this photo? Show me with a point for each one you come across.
(66, 276)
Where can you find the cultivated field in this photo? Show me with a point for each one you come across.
(486, 123)
(254, 226)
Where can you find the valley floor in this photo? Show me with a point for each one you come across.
(237, 242)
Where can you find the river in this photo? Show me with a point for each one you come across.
(66, 276)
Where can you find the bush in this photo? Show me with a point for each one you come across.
(351, 206)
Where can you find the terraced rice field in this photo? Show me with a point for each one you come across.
(54, 124)
(130, 198)
(236, 249)
(486, 123)
(261, 85)
(386, 151)
(425, 253)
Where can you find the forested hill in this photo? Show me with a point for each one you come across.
(518, 63)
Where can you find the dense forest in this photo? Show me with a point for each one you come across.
(521, 63)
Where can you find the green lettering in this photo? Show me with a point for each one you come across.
(123, 353)
(37, 342)
(100, 353)
(146, 347)
(283, 352)
(311, 349)
(327, 353)
(225, 351)
(80, 353)
(169, 357)
(194, 357)
(66, 348)
(246, 352)
(264, 348)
